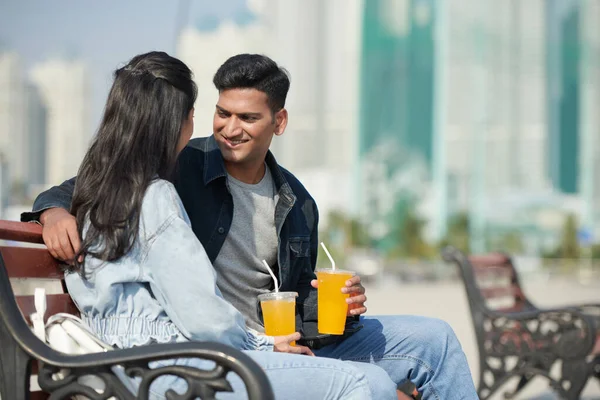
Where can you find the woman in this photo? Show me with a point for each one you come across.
(141, 275)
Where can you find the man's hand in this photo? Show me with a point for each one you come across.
(357, 299)
(60, 233)
(282, 345)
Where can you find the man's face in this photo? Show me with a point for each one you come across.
(244, 125)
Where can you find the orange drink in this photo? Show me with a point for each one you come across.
(332, 304)
(279, 313)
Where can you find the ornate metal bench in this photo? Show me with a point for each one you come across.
(517, 339)
(22, 353)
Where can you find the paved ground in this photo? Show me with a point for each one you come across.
(447, 301)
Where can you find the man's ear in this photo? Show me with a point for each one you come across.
(281, 120)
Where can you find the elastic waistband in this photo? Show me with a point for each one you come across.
(128, 332)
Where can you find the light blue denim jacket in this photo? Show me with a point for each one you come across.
(163, 290)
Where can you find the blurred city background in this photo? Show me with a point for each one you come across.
(413, 123)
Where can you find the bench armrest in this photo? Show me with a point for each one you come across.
(566, 332)
(135, 363)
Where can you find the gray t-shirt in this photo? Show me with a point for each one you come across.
(241, 274)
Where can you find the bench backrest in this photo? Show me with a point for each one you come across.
(497, 283)
(24, 262)
(492, 285)
(29, 265)
(491, 282)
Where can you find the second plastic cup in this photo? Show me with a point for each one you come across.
(332, 304)
(279, 313)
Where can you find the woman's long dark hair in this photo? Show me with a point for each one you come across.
(136, 142)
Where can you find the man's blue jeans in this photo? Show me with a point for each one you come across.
(423, 350)
(293, 377)
(386, 352)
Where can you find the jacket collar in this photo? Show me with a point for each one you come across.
(214, 167)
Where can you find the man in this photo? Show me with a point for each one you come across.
(245, 208)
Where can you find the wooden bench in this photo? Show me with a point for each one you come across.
(23, 354)
(517, 339)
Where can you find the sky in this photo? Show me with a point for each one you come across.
(105, 34)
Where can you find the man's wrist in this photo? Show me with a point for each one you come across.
(46, 213)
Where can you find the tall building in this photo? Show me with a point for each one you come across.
(13, 133)
(22, 128)
(35, 122)
(5, 186)
(397, 75)
(469, 106)
(496, 97)
(65, 91)
(396, 109)
(496, 136)
(563, 46)
(589, 118)
(574, 85)
(319, 43)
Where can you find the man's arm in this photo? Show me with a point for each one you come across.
(60, 227)
(55, 197)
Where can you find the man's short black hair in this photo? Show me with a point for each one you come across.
(257, 72)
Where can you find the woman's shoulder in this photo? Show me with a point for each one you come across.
(160, 206)
(161, 190)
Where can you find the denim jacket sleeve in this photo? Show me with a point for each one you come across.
(183, 279)
(306, 292)
(56, 196)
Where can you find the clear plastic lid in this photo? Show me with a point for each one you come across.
(335, 271)
(277, 296)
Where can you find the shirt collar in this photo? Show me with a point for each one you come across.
(214, 167)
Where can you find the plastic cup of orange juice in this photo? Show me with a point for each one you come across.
(332, 306)
(279, 313)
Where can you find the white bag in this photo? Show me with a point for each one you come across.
(69, 334)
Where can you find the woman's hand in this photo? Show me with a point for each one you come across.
(282, 345)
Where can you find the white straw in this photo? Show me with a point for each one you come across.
(272, 276)
(328, 255)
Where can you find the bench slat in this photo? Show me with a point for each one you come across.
(501, 291)
(489, 260)
(55, 303)
(496, 271)
(20, 232)
(27, 262)
(517, 307)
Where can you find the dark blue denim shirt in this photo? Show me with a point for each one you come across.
(201, 182)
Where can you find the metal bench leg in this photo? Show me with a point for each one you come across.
(483, 389)
(574, 377)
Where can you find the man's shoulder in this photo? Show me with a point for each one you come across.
(304, 201)
(297, 187)
(192, 156)
(198, 144)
